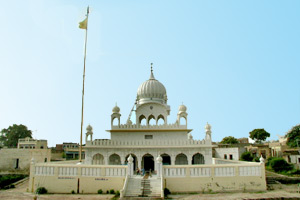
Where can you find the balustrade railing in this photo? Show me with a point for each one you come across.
(136, 126)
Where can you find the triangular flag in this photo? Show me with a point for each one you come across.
(83, 24)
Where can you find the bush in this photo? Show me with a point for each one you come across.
(112, 191)
(72, 192)
(246, 156)
(100, 191)
(166, 192)
(6, 180)
(256, 159)
(117, 193)
(279, 164)
(41, 190)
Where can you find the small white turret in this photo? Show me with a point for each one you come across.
(208, 133)
(89, 132)
(115, 115)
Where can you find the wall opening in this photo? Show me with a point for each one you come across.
(166, 159)
(114, 159)
(181, 159)
(198, 159)
(148, 162)
(98, 159)
(182, 121)
(142, 120)
(160, 120)
(151, 120)
(115, 122)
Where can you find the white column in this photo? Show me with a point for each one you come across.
(130, 166)
(173, 157)
(139, 161)
(159, 166)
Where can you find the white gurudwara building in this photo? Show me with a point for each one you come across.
(167, 150)
(144, 140)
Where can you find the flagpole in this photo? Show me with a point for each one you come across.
(82, 102)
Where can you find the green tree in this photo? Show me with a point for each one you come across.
(279, 164)
(229, 140)
(293, 136)
(246, 156)
(259, 135)
(9, 137)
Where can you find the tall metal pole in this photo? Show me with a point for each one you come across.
(86, 31)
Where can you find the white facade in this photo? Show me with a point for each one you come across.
(150, 136)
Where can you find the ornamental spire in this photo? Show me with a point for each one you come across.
(152, 76)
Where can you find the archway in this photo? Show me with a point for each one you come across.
(148, 162)
(181, 159)
(198, 159)
(115, 121)
(160, 120)
(182, 121)
(114, 159)
(151, 120)
(135, 161)
(98, 159)
(142, 120)
(166, 159)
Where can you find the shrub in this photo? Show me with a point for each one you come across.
(112, 191)
(246, 156)
(166, 192)
(100, 191)
(72, 192)
(279, 164)
(255, 159)
(41, 190)
(117, 193)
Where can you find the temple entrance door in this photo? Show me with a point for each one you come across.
(148, 162)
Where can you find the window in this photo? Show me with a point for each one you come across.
(148, 137)
(17, 163)
(45, 159)
(230, 157)
(225, 156)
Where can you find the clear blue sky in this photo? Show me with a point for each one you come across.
(234, 64)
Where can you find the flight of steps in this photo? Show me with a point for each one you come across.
(139, 187)
(134, 188)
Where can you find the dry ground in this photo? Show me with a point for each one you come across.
(287, 191)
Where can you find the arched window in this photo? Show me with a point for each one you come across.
(181, 159)
(182, 121)
(142, 120)
(166, 159)
(151, 120)
(114, 159)
(115, 121)
(160, 120)
(198, 159)
(98, 159)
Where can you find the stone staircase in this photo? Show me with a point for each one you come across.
(139, 187)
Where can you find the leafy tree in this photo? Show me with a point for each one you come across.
(259, 135)
(293, 136)
(9, 137)
(229, 140)
(246, 156)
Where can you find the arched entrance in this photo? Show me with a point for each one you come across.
(198, 159)
(135, 161)
(114, 159)
(166, 159)
(148, 162)
(98, 159)
(181, 159)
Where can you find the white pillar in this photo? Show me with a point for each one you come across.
(130, 166)
(159, 166)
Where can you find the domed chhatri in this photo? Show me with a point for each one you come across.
(182, 108)
(89, 128)
(152, 89)
(116, 109)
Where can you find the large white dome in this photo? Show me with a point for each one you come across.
(152, 88)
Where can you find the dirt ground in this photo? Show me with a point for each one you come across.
(280, 191)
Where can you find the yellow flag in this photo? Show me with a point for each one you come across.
(83, 24)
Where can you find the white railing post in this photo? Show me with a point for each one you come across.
(130, 166)
(159, 166)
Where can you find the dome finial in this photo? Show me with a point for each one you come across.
(152, 76)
